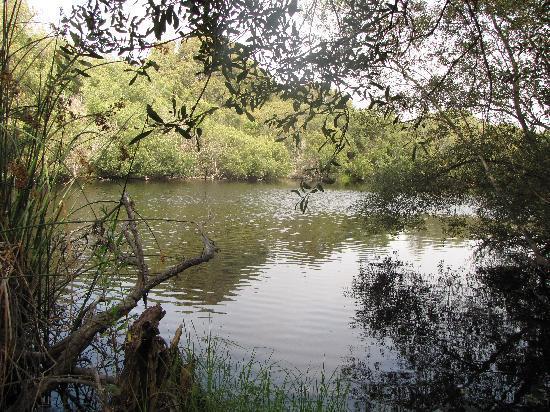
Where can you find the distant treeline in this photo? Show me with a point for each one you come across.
(113, 99)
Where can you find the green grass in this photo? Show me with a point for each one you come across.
(223, 384)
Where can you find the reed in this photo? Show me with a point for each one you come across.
(27, 201)
(39, 135)
(222, 383)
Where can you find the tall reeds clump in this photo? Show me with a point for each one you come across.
(44, 247)
(36, 75)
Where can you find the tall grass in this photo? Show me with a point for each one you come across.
(26, 200)
(38, 74)
(222, 383)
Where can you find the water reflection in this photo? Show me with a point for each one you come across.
(253, 225)
(476, 341)
(276, 285)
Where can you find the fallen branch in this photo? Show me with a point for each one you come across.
(94, 374)
(64, 354)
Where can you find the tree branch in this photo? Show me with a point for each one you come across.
(136, 242)
(65, 353)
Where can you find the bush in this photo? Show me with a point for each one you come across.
(157, 156)
(230, 153)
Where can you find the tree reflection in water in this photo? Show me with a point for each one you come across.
(475, 342)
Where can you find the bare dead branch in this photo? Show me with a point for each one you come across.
(93, 373)
(136, 242)
(176, 339)
(65, 353)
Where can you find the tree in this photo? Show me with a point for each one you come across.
(469, 67)
(256, 46)
(173, 152)
(473, 70)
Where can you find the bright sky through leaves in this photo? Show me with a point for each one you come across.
(47, 11)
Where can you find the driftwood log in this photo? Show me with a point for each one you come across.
(155, 377)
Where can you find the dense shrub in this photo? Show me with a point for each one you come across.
(233, 154)
(158, 156)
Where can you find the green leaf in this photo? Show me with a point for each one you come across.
(242, 75)
(153, 115)
(342, 102)
(230, 87)
(92, 54)
(184, 132)
(82, 73)
(85, 63)
(140, 136)
(292, 7)
(75, 38)
(173, 106)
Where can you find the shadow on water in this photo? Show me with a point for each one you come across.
(275, 288)
(477, 341)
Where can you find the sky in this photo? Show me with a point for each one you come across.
(47, 11)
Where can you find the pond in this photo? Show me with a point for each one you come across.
(321, 292)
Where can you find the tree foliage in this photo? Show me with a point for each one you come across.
(466, 68)
(470, 79)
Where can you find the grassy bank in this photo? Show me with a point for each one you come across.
(223, 384)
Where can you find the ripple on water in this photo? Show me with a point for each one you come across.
(279, 278)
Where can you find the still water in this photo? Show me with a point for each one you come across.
(291, 288)
(277, 285)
